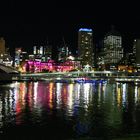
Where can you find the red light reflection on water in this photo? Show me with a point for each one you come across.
(45, 95)
(20, 104)
(41, 96)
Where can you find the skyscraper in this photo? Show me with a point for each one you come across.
(131, 56)
(43, 53)
(63, 53)
(85, 46)
(112, 51)
(136, 52)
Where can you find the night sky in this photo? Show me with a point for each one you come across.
(28, 23)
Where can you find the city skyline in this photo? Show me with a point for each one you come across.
(27, 24)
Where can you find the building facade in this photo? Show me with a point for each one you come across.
(112, 50)
(63, 53)
(85, 46)
(136, 53)
(42, 53)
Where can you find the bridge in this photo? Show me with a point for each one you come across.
(7, 73)
(10, 73)
(78, 74)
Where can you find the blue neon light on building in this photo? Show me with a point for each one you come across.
(85, 29)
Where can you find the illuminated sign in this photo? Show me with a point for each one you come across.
(85, 29)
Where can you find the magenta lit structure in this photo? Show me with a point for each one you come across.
(50, 66)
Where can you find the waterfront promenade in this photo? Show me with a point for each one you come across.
(70, 76)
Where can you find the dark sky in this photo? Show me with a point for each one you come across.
(28, 23)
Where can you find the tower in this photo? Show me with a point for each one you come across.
(136, 52)
(44, 53)
(85, 46)
(112, 50)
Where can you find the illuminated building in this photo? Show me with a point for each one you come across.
(66, 61)
(112, 50)
(20, 59)
(7, 60)
(85, 46)
(2, 49)
(48, 52)
(38, 50)
(5, 57)
(63, 53)
(131, 56)
(23, 56)
(43, 53)
(136, 53)
(17, 56)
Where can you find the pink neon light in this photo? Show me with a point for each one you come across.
(36, 66)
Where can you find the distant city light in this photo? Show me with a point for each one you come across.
(85, 29)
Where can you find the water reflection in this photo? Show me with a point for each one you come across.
(88, 109)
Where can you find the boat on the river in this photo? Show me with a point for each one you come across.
(95, 81)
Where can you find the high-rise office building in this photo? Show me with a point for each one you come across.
(43, 53)
(136, 52)
(85, 46)
(38, 50)
(63, 53)
(112, 50)
(131, 56)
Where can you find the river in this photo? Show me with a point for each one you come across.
(69, 110)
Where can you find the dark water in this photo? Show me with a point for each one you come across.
(30, 110)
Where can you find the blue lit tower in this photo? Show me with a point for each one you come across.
(85, 46)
